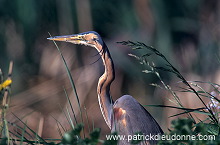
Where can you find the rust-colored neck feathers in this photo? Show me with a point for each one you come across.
(104, 83)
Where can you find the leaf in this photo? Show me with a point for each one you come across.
(70, 78)
(181, 108)
(200, 112)
(78, 129)
(95, 134)
(212, 128)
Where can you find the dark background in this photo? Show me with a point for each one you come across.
(186, 32)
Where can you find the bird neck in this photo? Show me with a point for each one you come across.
(103, 89)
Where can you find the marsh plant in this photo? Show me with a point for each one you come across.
(76, 135)
(208, 127)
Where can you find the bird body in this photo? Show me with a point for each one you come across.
(125, 116)
(134, 119)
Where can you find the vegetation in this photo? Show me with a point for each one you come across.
(186, 32)
(184, 126)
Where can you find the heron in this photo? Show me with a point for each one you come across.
(126, 115)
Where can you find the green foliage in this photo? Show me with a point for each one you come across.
(207, 128)
(111, 142)
(4, 141)
(182, 126)
(190, 134)
(71, 80)
(186, 126)
(73, 137)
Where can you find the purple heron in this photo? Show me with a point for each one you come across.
(125, 115)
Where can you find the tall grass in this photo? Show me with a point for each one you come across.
(4, 92)
(210, 126)
(187, 126)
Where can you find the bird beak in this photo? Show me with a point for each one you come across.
(68, 38)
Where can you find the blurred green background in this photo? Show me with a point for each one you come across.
(186, 32)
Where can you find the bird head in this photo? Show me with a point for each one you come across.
(90, 38)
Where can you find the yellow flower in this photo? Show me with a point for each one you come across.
(5, 84)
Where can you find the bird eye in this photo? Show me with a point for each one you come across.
(94, 38)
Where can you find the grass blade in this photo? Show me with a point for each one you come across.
(70, 106)
(40, 138)
(22, 135)
(171, 69)
(87, 119)
(71, 80)
(71, 122)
